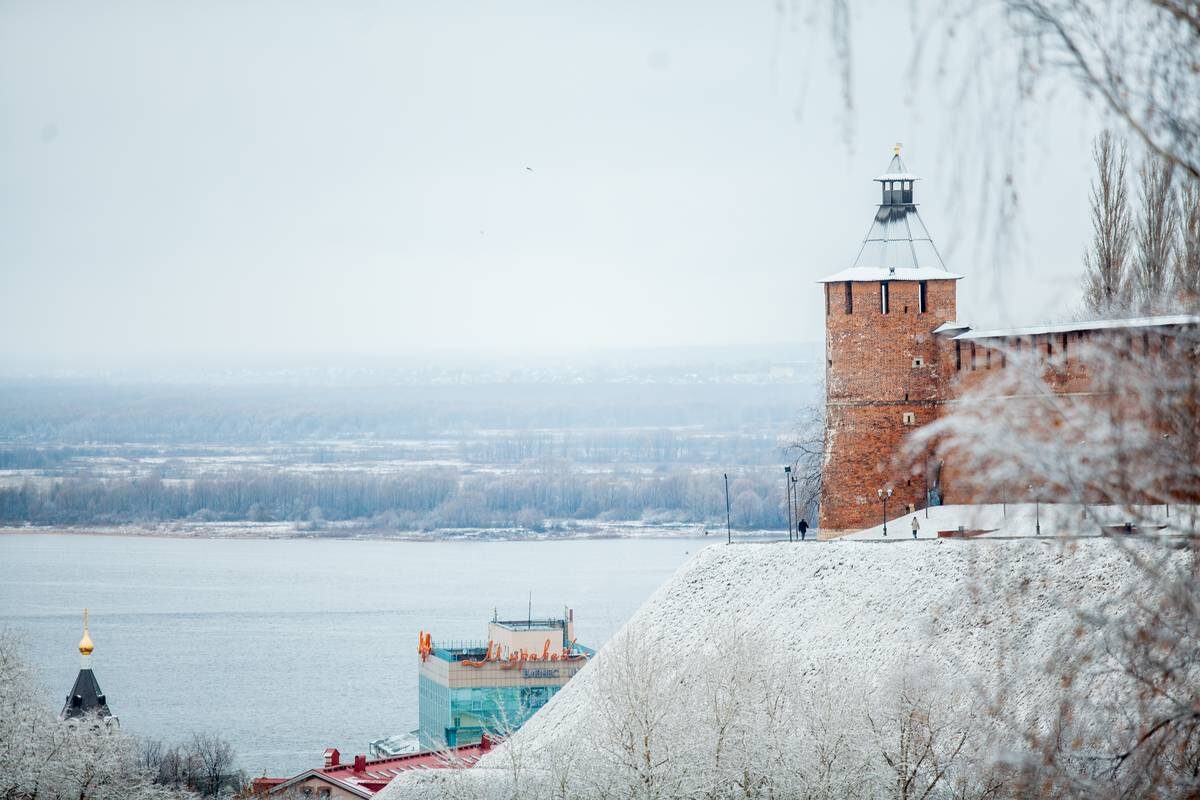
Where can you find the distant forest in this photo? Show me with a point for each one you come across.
(495, 455)
(423, 499)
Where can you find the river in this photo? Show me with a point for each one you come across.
(286, 647)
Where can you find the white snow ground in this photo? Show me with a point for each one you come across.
(850, 617)
(1018, 519)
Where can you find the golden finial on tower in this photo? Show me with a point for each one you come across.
(896, 149)
(85, 644)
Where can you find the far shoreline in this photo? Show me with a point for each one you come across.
(249, 531)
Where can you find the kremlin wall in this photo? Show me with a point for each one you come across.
(897, 357)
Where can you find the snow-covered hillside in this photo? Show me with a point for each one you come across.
(845, 622)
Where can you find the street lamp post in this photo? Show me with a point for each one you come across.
(1167, 504)
(1037, 510)
(728, 529)
(796, 499)
(925, 480)
(884, 495)
(787, 487)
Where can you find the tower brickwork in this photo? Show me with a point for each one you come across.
(886, 368)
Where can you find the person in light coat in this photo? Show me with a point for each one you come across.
(916, 526)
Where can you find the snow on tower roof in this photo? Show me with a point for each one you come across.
(896, 171)
(897, 246)
(890, 274)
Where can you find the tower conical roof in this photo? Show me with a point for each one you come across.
(897, 246)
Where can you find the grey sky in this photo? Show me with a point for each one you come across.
(371, 178)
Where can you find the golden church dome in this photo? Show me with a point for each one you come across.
(85, 644)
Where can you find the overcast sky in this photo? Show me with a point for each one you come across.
(286, 178)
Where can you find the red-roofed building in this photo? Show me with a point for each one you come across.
(362, 777)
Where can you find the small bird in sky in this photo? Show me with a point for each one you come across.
(529, 169)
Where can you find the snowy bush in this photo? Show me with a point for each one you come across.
(46, 758)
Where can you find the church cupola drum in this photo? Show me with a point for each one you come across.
(884, 374)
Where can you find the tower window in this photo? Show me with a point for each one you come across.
(883, 296)
(827, 299)
(849, 297)
(908, 186)
(958, 355)
(972, 356)
(1064, 345)
(922, 296)
(920, 362)
(909, 418)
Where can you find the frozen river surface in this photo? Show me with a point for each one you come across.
(287, 647)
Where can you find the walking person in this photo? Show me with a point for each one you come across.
(803, 526)
(915, 526)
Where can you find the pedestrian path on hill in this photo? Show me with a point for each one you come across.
(1021, 520)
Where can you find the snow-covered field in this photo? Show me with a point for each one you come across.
(982, 619)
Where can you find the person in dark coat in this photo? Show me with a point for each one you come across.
(803, 526)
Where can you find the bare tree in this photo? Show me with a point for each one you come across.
(1128, 720)
(644, 753)
(1137, 57)
(1156, 230)
(925, 738)
(213, 758)
(1187, 254)
(1105, 261)
(997, 63)
(46, 758)
(806, 451)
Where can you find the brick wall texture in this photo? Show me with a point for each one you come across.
(879, 368)
(888, 374)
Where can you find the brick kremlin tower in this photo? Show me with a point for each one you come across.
(884, 372)
(86, 699)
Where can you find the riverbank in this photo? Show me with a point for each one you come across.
(564, 531)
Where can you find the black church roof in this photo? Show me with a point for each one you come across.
(85, 697)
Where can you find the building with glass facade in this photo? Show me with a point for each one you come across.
(471, 688)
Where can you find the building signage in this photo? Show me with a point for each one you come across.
(511, 659)
(539, 673)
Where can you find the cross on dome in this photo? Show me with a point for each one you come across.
(85, 644)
